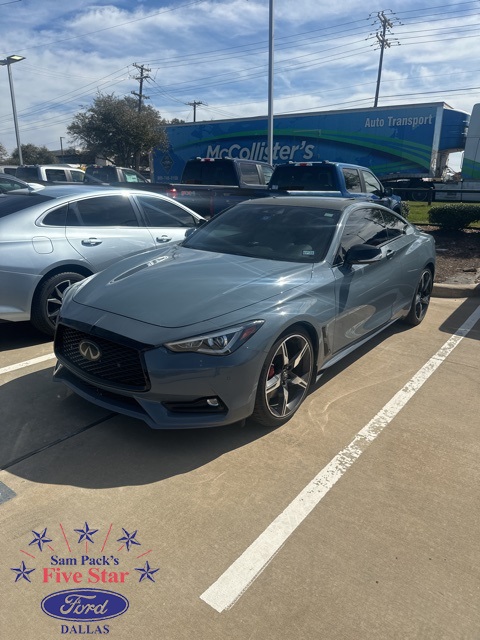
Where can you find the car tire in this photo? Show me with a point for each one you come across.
(48, 299)
(421, 299)
(284, 380)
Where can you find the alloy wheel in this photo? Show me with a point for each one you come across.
(422, 297)
(288, 376)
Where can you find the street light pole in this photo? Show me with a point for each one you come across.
(61, 146)
(8, 63)
(270, 84)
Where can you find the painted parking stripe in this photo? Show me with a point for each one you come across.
(26, 363)
(223, 593)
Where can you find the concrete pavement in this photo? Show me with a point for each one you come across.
(390, 552)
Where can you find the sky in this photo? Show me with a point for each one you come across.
(215, 52)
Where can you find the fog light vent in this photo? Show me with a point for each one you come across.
(202, 405)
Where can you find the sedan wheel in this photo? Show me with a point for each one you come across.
(284, 380)
(48, 300)
(421, 299)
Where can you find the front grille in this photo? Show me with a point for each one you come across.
(117, 364)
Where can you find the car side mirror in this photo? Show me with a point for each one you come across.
(363, 254)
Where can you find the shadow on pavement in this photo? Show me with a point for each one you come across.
(460, 315)
(17, 335)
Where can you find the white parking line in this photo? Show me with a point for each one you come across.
(223, 593)
(26, 363)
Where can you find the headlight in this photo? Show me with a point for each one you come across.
(220, 343)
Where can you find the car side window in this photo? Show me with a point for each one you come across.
(102, 211)
(77, 176)
(56, 175)
(395, 225)
(162, 213)
(352, 180)
(8, 185)
(267, 173)
(132, 176)
(249, 173)
(56, 217)
(372, 185)
(363, 226)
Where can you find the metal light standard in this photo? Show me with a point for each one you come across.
(270, 83)
(8, 63)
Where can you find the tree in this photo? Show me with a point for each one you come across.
(115, 129)
(3, 153)
(32, 154)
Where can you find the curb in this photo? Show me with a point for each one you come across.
(442, 290)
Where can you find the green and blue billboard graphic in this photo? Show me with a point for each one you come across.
(388, 140)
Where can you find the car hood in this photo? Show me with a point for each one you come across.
(179, 287)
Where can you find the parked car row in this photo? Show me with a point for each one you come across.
(180, 322)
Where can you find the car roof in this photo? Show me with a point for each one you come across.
(337, 204)
(67, 190)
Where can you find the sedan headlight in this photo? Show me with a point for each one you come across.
(220, 343)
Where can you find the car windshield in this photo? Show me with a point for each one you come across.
(293, 233)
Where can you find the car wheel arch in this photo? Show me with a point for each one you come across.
(76, 268)
(37, 306)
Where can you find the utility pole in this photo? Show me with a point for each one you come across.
(195, 104)
(381, 37)
(141, 78)
(140, 97)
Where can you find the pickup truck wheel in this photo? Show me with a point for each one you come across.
(284, 380)
(48, 300)
(421, 299)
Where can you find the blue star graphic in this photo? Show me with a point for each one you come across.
(147, 572)
(129, 539)
(86, 533)
(40, 539)
(22, 572)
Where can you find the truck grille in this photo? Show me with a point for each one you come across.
(100, 359)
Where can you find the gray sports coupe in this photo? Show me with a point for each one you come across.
(238, 319)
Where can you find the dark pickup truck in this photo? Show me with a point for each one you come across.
(332, 179)
(211, 185)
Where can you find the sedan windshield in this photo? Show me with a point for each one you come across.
(292, 233)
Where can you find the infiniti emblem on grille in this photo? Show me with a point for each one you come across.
(89, 350)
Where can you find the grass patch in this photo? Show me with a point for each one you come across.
(419, 213)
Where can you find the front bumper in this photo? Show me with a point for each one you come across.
(184, 390)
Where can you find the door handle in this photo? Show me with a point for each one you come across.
(91, 242)
(164, 239)
(389, 253)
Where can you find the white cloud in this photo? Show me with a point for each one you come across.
(216, 51)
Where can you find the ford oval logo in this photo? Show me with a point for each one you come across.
(84, 605)
(89, 350)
